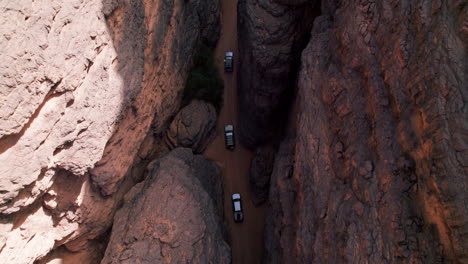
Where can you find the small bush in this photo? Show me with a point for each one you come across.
(204, 82)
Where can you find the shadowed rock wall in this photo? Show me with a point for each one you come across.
(272, 35)
(374, 170)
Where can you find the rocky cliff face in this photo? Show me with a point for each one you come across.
(261, 168)
(272, 35)
(374, 170)
(84, 84)
(170, 217)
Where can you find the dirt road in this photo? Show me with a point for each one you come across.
(246, 237)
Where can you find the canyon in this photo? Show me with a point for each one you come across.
(350, 120)
(373, 165)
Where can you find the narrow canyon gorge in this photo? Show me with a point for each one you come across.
(350, 121)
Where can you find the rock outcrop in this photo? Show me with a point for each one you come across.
(261, 168)
(173, 31)
(84, 84)
(193, 127)
(169, 218)
(92, 253)
(273, 33)
(375, 170)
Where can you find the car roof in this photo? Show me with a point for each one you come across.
(229, 54)
(237, 206)
(229, 128)
(236, 196)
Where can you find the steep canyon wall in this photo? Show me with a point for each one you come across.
(374, 170)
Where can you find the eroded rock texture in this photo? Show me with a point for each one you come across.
(261, 168)
(375, 170)
(170, 217)
(84, 83)
(173, 30)
(193, 127)
(272, 35)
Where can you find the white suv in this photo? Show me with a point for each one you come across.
(237, 208)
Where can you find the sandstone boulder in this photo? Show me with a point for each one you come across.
(169, 218)
(193, 127)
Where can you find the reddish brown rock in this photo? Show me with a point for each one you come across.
(164, 62)
(272, 35)
(261, 168)
(169, 218)
(374, 170)
(193, 127)
(84, 83)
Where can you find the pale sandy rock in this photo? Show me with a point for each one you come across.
(65, 108)
(79, 214)
(92, 253)
(83, 83)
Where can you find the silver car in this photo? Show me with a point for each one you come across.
(229, 137)
(237, 208)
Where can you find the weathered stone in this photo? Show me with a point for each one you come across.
(272, 34)
(260, 172)
(404, 84)
(83, 85)
(164, 55)
(169, 218)
(193, 127)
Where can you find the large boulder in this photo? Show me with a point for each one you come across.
(193, 127)
(169, 218)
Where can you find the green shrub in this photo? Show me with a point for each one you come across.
(204, 82)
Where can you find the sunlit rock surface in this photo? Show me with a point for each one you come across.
(83, 84)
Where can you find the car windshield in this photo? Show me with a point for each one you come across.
(228, 133)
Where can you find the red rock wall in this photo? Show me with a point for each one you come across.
(171, 36)
(271, 37)
(375, 168)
